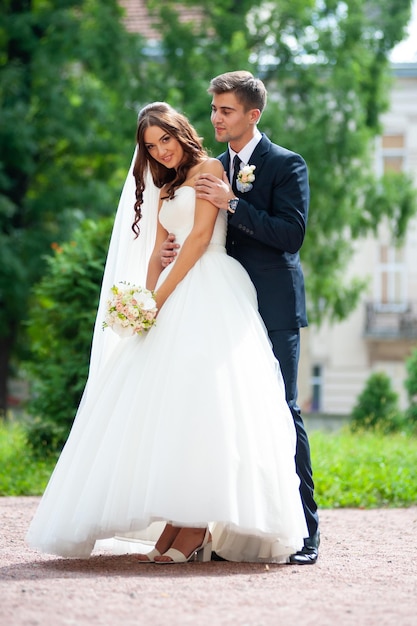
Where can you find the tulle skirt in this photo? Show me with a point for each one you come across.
(187, 424)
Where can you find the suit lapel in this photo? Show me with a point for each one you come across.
(225, 161)
(258, 157)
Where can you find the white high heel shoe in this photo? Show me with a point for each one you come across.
(166, 539)
(203, 552)
(150, 556)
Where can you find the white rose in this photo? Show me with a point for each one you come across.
(123, 331)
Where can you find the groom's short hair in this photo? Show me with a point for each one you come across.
(250, 91)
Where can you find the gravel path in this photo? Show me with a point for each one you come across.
(366, 575)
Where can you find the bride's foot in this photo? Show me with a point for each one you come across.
(164, 542)
(186, 544)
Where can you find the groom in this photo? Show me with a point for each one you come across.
(266, 226)
(267, 208)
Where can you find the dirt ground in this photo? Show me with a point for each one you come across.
(366, 575)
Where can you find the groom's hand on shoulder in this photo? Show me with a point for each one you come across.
(215, 190)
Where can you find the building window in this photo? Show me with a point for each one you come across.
(391, 271)
(316, 388)
(391, 278)
(391, 153)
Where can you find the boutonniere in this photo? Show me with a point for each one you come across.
(245, 178)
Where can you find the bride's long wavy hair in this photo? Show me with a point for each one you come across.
(176, 125)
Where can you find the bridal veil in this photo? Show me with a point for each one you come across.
(127, 260)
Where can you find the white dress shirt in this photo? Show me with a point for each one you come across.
(246, 152)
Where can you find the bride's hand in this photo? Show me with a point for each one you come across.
(168, 251)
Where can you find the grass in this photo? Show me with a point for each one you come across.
(363, 470)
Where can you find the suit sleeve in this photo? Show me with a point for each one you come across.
(276, 210)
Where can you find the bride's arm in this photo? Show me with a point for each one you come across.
(197, 241)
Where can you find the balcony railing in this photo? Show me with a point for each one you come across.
(391, 320)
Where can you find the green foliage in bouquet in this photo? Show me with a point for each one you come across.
(377, 407)
(61, 320)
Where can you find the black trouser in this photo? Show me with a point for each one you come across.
(286, 347)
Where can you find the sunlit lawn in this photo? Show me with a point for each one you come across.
(364, 470)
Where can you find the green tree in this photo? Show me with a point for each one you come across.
(326, 67)
(66, 130)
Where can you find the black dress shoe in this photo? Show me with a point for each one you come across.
(309, 554)
(216, 557)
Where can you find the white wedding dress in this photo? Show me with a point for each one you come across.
(187, 423)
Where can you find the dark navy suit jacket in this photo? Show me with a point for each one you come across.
(267, 231)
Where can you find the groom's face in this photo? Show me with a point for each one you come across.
(232, 124)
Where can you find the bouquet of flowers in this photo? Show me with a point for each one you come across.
(130, 310)
(245, 178)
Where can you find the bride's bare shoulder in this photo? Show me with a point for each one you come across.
(208, 166)
(211, 166)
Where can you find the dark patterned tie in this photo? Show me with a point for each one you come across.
(236, 170)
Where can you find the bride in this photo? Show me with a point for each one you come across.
(184, 427)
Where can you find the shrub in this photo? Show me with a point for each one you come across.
(21, 474)
(377, 406)
(410, 385)
(61, 320)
